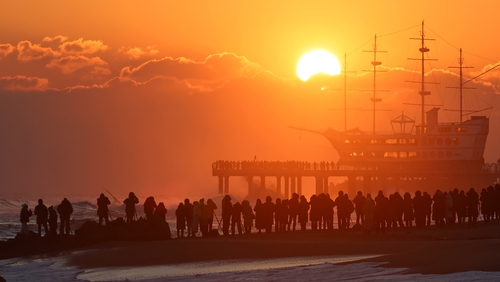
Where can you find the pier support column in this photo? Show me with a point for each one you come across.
(325, 184)
(226, 185)
(287, 191)
(293, 185)
(351, 184)
(319, 185)
(250, 183)
(299, 185)
(278, 184)
(262, 182)
(221, 185)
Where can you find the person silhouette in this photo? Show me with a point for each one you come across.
(248, 216)
(102, 209)
(188, 208)
(130, 203)
(236, 218)
(180, 215)
(52, 221)
(42, 215)
(149, 207)
(227, 212)
(212, 207)
(160, 212)
(65, 209)
(25, 218)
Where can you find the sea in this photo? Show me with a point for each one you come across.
(84, 209)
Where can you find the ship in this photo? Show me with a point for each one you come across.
(440, 153)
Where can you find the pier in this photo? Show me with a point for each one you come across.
(289, 175)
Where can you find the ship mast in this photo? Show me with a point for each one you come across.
(345, 92)
(375, 63)
(423, 49)
(461, 87)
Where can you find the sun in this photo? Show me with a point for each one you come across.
(317, 61)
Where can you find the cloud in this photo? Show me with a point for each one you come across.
(23, 83)
(71, 64)
(28, 52)
(6, 49)
(81, 46)
(58, 38)
(207, 75)
(136, 53)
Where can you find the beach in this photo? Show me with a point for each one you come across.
(428, 251)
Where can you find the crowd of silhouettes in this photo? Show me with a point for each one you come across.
(371, 214)
(47, 218)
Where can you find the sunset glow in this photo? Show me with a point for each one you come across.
(144, 96)
(317, 61)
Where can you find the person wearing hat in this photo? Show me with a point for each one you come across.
(25, 218)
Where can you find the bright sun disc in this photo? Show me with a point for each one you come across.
(317, 61)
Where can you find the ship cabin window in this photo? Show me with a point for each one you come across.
(439, 141)
(447, 141)
(357, 141)
(444, 129)
(449, 154)
(462, 129)
(431, 141)
(390, 154)
(412, 141)
(347, 141)
(391, 141)
(373, 141)
(440, 154)
(356, 154)
(403, 141)
(424, 141)
(424, 155)
(432, 155)
(403, 154)
(412, 154)
(456, 141)
(371, 154)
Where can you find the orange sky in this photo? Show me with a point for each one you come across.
(143, 97)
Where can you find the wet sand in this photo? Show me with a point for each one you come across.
(428, 251)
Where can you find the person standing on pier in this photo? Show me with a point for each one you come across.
(42, 215)
(102, 209)
(130, 203)
(25, 218)
(212, 207)
(359, 202)
(188, 208)
(269, 214)
(293, 210)
(303, 212)
(248, 216)
(180, 215)
(52, 221)
(226, 214)
(65, 209)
